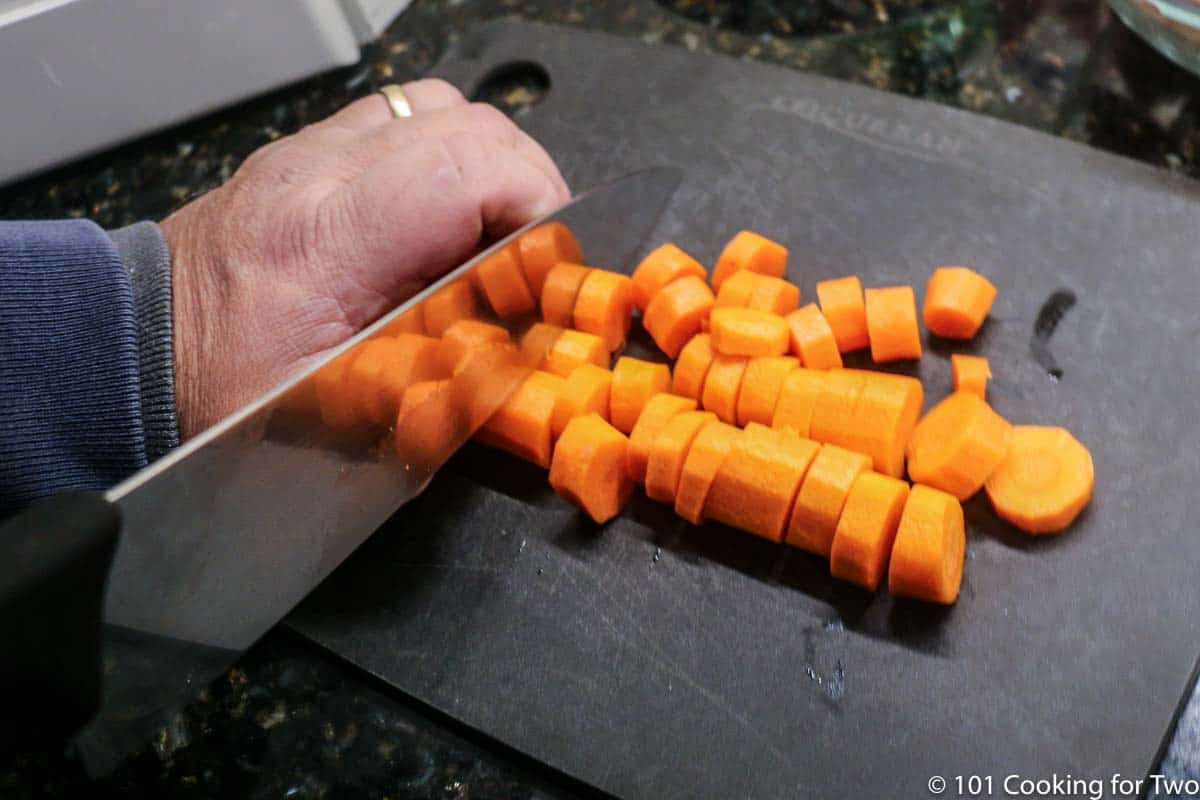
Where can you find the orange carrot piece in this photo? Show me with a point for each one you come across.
(448, 305)
(559, 292)
(722, 386)
(971, 374)
(411, 321)
(542, 248)
(659, 410)
(604, 307)
(588, 468)
(761, 386)
(751, 251)
(463, 336)
(930, 544)
(746, 289)
(957, 300)
(821, 497)
(584, 392)
(336, 398)
(797, 399)
(748, 332)
(537, 342)
(957, 445)
(521, 425)
(361, 380)
(676, 312)
(812, 339)
(1044, 481)
(708, 451)
(887, 413)
(834, 416)
(503, 283)
(634, 382)
(668, 452)
(573, 348)
(412, 359)
(691, 367)
(665, 265)
(862, 542)
(892, 324)
(484, 378)
(428, 426)
(842, 304)
(757, 483)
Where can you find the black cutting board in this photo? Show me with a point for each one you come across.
(654, 659)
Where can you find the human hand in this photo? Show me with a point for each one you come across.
(319, 233)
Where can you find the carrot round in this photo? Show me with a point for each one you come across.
(573, 348)
(748, 332)
(691, 367)
(559, 291)
(892, 324)
(362, 379)
(971, 374)
(821, 497)
(842, 304)
(448, 305)
(428, 426)
(585, 391)
(750, 251)
(797, 398)
(412, 358)
(664, 266)
(888, 409)
(484, 378)
(957, 445)
(542, 248)
(812, 339)
(537, 341)
(634, 382)
(411, 321)
(668, 452)
(604, 306)
(1044, 481)
(930, 544)
(336, 398)
(757, 482)
(676, 312)
(463, 336)
(722, 386)
(659, 410)
(746, 289)
(834, 416)
(504, 284)
(708, 451)
(588, 468)
(957, 300)
(862, 542)
(761, 385)
(521, 425)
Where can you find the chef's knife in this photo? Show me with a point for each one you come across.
(225, 535)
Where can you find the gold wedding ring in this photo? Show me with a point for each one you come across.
(397, 101)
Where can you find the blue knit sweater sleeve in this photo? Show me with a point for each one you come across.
(70, 413)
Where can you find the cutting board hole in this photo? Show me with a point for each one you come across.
(513, 87)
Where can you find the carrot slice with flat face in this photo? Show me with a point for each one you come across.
(675, 314)
(573, 348)
(812, 339)
(957, 300)
(664, 266)
(1044, 481)
(748, 332)
(971, 374)
(503, 283)
(746, 289)
(892, 324)
(559, 292)
(413, 358)
(588, 468)
(604, 307)
(819, 502)
(634, 382)
(931, 542)
(659, 410)
(957, 445)
(484, 378)
(750, 251)
(521, 425)
(668, 452)
(797, 399)
(464, 335)
(448, 305)
(756, 485)
(887, 413)
(842, 304)
(542, 248)
(862, 542)
(336, 397)
(691, 367)
(584, 392)
(362, 379)
(428, 425)
(761, 386)
(708, 451)
(537, 342)
(722, 386)
(834, 419)
(411, 321)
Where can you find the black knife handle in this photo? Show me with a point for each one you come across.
(54, 563)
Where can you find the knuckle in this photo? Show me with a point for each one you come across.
(440, 92)
(491, 121)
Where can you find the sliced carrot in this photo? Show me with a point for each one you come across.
(448, 305)
(957, 445)
(797, 399)
(537, 342)
(971, 374)
(463, 336)
(363, 379)
(604, 306)
(664, 266)
(573, 348)
(746, 289)
(484, 379)
(930, 544)
(708, 451)
(834, 419)
(1044, 481)
(757, 483)
(584, 392)
(722, 386)
(668, 452)
(521, 425)
(691, 367)
(892, 324)
(748, 332)
(842, 304)
(588, 468)
(812, 339)
(657, 413)
(559, 292)
(411, 321)
(542, 248)
(862, 542)
(413, 359)
(504, 284)
(675, 314)
(887, 413)
(634, 382)
(957, 300)
(821, 497)
(752, 251)
(428, 426)
(761, 385)
(336, 397)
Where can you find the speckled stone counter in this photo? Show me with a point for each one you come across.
(289, 721)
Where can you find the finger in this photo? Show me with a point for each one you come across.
(372, 111)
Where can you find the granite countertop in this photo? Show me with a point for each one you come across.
(288, 721)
